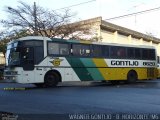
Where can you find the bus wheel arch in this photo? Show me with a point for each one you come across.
(51, 78)
(132, 76)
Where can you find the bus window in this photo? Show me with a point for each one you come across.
(76, 49)
(81, 50)
(58, 49)
(145, 54)
(53, 48)
(38, 54)
(113, 52)
(130, 53)
(121, 52)
(85, 50)
(97, 51)
(64, 49)
(118, 52)
(106, 51)
(137, 53)
(152, 55)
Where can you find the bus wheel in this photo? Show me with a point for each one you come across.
(132, 76)
(51, 79)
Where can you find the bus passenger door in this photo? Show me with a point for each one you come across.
(28, 58)
(28, 64)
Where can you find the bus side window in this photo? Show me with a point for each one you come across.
(53, 48)
(145, 54)
(152, 54)
(64, 49)
(130, 53)
(137, 53)
(76, 49)
(85, 50)
(121, 52)
(97, 51)
(80, 50)
(113, 52)
(105, 51)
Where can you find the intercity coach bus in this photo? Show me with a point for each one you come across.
(46, 62)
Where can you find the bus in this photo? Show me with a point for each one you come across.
(47, 61)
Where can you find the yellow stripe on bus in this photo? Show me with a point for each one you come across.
(100, 64)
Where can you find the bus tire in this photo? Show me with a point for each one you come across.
(51, 79)
(132, 76)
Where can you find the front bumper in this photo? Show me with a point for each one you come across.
(10, 76)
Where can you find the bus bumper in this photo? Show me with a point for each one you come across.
(9, 78)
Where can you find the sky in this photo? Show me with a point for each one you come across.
(146, 22)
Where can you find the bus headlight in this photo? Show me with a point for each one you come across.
(13, 78)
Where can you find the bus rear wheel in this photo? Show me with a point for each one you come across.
(51, 79)
(132, 76)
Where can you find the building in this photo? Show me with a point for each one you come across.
(111, 33)
(2, 59)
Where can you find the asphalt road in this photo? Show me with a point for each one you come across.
(81, 98)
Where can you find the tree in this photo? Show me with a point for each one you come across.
(35, 20)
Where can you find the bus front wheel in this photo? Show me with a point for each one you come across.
(132, 76)
(51, 79)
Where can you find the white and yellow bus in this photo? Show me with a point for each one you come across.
(45, 62)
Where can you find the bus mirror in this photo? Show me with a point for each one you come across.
(71, 50)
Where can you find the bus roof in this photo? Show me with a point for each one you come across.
(78, 41)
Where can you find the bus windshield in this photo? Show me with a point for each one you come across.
(13, 54)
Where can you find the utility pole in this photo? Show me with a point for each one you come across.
(35, 19)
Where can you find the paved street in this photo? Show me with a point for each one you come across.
(67, 98)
